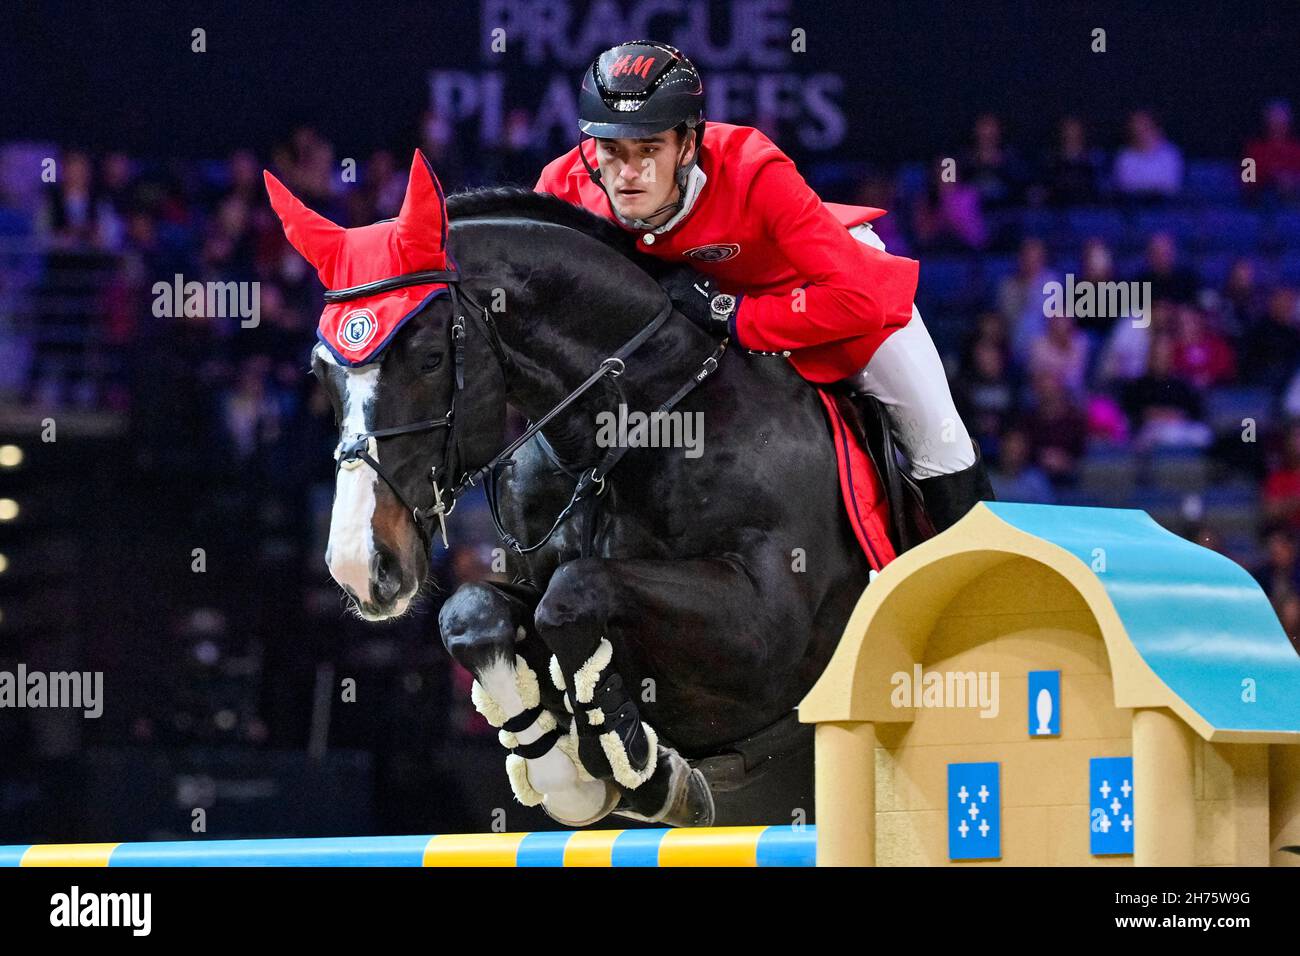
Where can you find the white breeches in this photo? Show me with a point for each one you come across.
(908, 377)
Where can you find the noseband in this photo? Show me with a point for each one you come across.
(362, 448)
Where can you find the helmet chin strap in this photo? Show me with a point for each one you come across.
(680, 175)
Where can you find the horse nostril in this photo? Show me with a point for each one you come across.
(387, 575)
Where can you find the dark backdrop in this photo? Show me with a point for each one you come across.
(902, 77)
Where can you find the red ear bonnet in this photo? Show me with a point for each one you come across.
(357, 330)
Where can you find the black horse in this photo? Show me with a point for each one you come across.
(683, 602)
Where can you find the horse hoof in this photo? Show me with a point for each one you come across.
(566, 816)
(692, 804)
(698, 801)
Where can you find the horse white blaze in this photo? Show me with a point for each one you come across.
(352, 536)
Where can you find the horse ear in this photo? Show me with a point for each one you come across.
(422, 223)
(314, 236)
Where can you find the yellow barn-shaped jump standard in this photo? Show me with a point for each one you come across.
(1164, 727)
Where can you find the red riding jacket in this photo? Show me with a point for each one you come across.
(761, 232)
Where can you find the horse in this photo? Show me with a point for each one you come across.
(664, 605)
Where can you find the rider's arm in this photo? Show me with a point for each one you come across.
(555, 178)
(548, 181)
(852, 289)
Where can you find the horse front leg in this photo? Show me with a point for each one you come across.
(489, 630)
(614, 623)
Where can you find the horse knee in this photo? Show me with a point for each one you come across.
(580, 591)
(478, 624)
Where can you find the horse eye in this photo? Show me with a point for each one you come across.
(431, 362)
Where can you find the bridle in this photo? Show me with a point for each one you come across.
(362, 447)
(590, 484)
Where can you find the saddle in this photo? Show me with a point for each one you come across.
(865, 415)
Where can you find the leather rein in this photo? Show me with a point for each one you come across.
(590, 484)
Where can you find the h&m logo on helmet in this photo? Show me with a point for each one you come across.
(357, 329)
(640, 66)
(716, 252)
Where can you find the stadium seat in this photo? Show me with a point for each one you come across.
(944, 281)
(1235, 520)
(1185, 225)
(1286, 229)
(912, 179)
(1108, 475)
(1107, 224)
(13, 224)
(1288, 267)
(1231, 230)
(1176, 470)
(1079, 498)
(1211, 180)
(1225, 408)
(1214, 267)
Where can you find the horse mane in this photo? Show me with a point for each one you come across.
(519, 202)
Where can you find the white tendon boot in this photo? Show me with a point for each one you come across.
(588, 679)
(686, 797)
(543, 767)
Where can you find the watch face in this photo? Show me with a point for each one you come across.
(723, 303)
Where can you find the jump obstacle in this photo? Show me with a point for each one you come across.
(720, 846)
(1038, 685)
(1148, 702)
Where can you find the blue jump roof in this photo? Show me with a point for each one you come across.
(1197, 618)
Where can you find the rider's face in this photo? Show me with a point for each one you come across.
(638, 173)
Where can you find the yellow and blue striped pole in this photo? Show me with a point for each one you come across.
(717, 846)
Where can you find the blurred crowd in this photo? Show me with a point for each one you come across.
(232, 410)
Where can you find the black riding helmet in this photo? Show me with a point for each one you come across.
(638, 89)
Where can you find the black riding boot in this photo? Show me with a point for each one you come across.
(948, 497)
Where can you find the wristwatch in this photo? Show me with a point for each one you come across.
(722, 305)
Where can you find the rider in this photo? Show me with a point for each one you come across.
(727, 201)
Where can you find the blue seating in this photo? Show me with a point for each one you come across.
(945, 280)
(1078, 497)
(1238, 230)
(1212, 180)
(1288, 267)
(912, 179)
(1226, 407)
(1286, 229)
(1214, 267)
(1107, 224)
(1160, 502)
(1184, 470)
(13, 223)
(1185, 225)
(1231, 495)
(837, 180)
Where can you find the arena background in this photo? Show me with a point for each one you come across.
(222, 685)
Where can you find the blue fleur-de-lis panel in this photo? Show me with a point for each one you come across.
(1110, 805)
(974, 811)
(1044, 703)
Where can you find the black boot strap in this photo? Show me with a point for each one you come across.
(539, 747)
(522, 720)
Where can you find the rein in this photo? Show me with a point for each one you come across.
(591, 482)
(590, 485)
